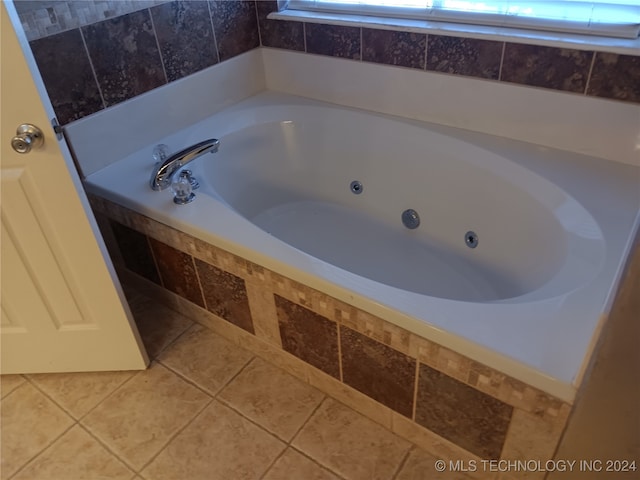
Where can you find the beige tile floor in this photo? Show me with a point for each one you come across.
(205, 409)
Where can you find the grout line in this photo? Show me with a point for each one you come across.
(106, 446)
(403, 462)
(213, 31)
(44, 449)
(164, 349)
(77, 419)
(173, 437)
(309, 457)
(415, 391)
(237, 374)
(112, 393)
(25, 381)
(93, 70)
(339, 335)
(426, 48)
(155, 35)
(275, 460)
(255, 3)
(155, 260)
(593, 62)
(304, 36)
(313, 412)
(195, 269)
(504, 48)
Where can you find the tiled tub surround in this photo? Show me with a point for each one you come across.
(89, 66)
(102, 64)
(449, 404)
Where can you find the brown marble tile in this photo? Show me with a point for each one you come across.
(464, 56)
(469, 418)
(225, 295)
(76, 455)
(139, 418)
(308, 336)
(135, 252)
(64, 65)
(393, 48)
(205, 358)
(219, 444)
(272, 398)
(615, 76)
(333, 40)
(30, 422)
(349, 444)
(378, 371)
(548, 67)
(185, 37)
(236, 27)
(158, 325)
(177, 271)
(125, 56)
(293, 465)
(78, 393)
(279, 33)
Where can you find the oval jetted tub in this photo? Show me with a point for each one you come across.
(497, 249)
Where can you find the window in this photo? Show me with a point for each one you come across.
(610, 18)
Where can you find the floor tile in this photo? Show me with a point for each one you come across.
(205, 358)
(272, 398)
(421, 465)
(78, 456)
(30, 422)
(142, 415)
(350, 444)
(158, 325)
(218, 444)
(78, 393)
(8, 383)
(293, 465)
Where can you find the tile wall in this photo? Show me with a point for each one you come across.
(447, 403)
(96, 65)
(93, 55)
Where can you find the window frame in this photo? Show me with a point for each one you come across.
(490, 20)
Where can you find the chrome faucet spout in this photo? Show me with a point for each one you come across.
(162, 174)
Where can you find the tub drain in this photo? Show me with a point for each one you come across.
(356, 187)
(410, 218)
(471, 239)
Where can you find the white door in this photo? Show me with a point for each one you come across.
(62, 306)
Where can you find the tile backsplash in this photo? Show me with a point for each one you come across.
(93, 55)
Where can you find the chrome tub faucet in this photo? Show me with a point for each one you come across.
(162, 174)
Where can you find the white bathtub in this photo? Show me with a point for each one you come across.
(552, 228)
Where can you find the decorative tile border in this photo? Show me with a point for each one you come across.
(404, 381)
(47, 17)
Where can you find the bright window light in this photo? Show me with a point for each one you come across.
(611, 18)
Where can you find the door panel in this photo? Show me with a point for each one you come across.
(61, 304)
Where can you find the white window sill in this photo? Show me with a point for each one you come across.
(502, 34)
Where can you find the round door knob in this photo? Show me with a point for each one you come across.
(27, 137)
